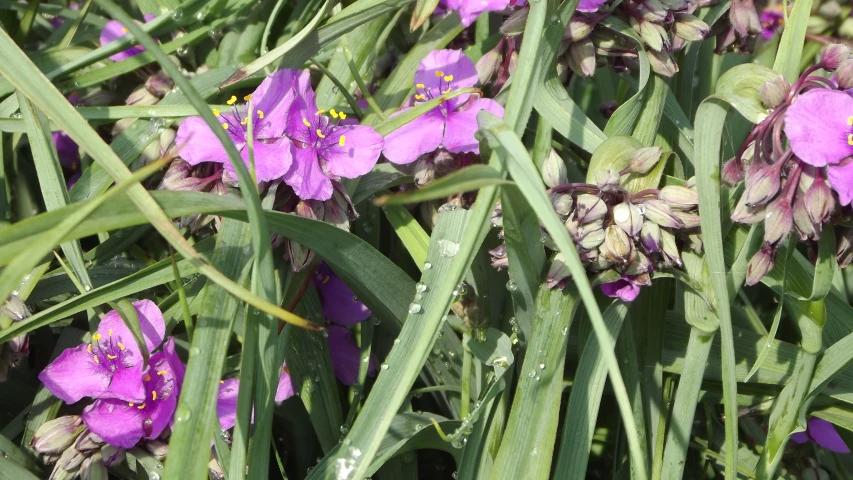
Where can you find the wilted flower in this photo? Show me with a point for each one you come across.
(824, 434)
(114, 30)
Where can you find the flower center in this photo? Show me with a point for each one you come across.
(110, 353)
(320, 127)
(237, 123)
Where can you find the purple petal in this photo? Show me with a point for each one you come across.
(118, 423)
(825, 435)
(351, 151)
(346, 355)
(114, 30)
(800, 437)
(151, 322)
(422, 135)
(67, 150)
(469, 10)
(841, 179)
(272, 160)
(74, 375)
(284, 390)
(306, 178)
(162, 389)
(226, 404)
(449, 63)
(622, 289)
(589, 5)
(175, 363)
(126, 384)
(340, 304)
(817, 126)
(274, 96)
(462, 125)
(197, 143)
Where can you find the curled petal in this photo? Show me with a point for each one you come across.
(623, 289)
(825, 435)
(340, 304)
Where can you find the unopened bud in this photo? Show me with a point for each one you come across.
(629, 217)
(639, 263)
(819, 201)
(56, 435)
(732, 172)
(844, 75)
(488, 65)
(93, 468)
(607, 179)
(113, 455)
(690, 220)
(562, 204)
(70, 459)
(690, 27)
(760, 265)
(778, 221)
(762, 183)
(743, 213)
(141, 96)
(558, 272)
(60, 473)
(662, 63)
(514, 25)
(803, 223)
(178, 178)
(498, 216)
(773, 92)
(660, 213)
(499, 258)
(644, 160)
(744, 18)
(617, 244)
(650, 237)
(88, 441)
(157, 448)
(829, 9)
(578, 29)
(590, 208)
(844, 250)
(592, 239)
(582, 57)
(669, 248)
(653, 34)
(159, 84)
(833, 54)
(679, 198)
(554, 170)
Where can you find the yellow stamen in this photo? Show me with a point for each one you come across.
(225, 126)
(320, 112)
(96, 337)
(248, 97)
(325, 280)
(97, 360)
(112, 357)
(222, 381)
(123, 29)
(130, 404)
(420, 85)
(216, 111)
(232, 100)
(343, 116)
(342, 141)
(334, 113)
(153, 395)
(141, 406)
(245, 121)
(120, 346)
(320, 133)
(850, 139)
(306, 122)
(260, 114)
(439, 73)
(147, 378)
(89, 348)
(420, 97)
(850, 121)
(446, 91)
(111, 332)
(162, 372)
(448, 78)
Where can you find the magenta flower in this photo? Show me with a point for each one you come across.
(469, 10)
(325, 148)
(625, 289)
(819, 126)
(122, 423)
(771, 21)
(113, 30)
(67, 150)
(112, 365)
(586, 6)
(226, 404)
(58, 20)
(270, 103)
(823, 433)
(452, 124)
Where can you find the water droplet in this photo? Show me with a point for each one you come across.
(344, 429)
(414, 308)
(543, 239)
(448, 207)
(565, 331)
(376, 321)
(87, 287)
(537, 378)
(177, 14)
(511, 286)
(421, 287)
(182, 414)
(427, 265)
(418, 297)
(159, 466)
(448, 248)
(154, 476)
(531, 374)
(443, 319)
(541, 366)
(396, 341)
(183, 51)
(384, 366)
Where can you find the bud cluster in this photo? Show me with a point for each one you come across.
(74, 449)
(13, 351)
(620, 235)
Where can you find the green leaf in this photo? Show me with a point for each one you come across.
(740, 86)
(554, 103)
(793, 38)
(423, 10)
(410, 232)
(467, 179)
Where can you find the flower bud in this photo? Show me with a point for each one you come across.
(70, 459)
(844, 249)
(499, 259)
(802, 220)
(514, 25)
(60, 473)
(617, 244)
(662, 63)
(743, 213)
(558, 272)
(669, 248)
(578, 29)
(660, 213)
(114, 455)
(844, 75)
(690, 27)
(653, 34)
(14, 309)
(141, 96)
(644, 160)
(607, 179)
(159, 84)
(488, 65)
(581, 57)
(650, 237)
(554, 170)
(56, 435)
(760, 265)
(638, 264)
(629, 217)
(562, 204)
(178, 178)
(690, 220)
(762, 183)
(653, 10)
(590, 208)
(592, 239)
(744, 18)
(732, 172)
(819, 201)
(832, 56)
(773, 92)
(596, 261)
(88, 441)
(679, 198)
(93, 468)
(778, 221)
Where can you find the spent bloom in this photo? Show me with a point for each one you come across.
(824, 434)
(772, 20)
(112, 365)
(114, 30)
(452, 124)
(269, 106)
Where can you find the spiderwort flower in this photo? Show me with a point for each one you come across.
(326, 147)
(469, 10)
(771, 21)
(452, 124)
(112, 365)
(824, 434)
(819, 126)
(114, 30)
(226, 404)
(124, 423)
(625, 289)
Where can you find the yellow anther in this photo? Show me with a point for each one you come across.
(244, 121)
(320, 133)
(97, 360)
(446, 91)
(216, 111)
(120, 346)
(89, 348)
(111, 332)
(850, 121)
(225, 126)
(448, 78)
(420, 85)
(153, 395)
(162, 372)
(147, 377)
(334, 113)
(130, 404)
(343, 116)
(320, 112)
(221, 382)
(439, 73)
(96, 337)
(232, 100)
(420, 97)
(248, 97)
(850, 139)
(260, 114)
(306, 122)
(342, 141)
(112, 357)
(123, 29)
(325, 280)
(141, 406)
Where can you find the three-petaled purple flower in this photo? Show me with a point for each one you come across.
(270, 106)
(772, 20)
(823, 433)
(819, 126)
(124, 423)
(326, 148)
(452, 124)
(113, 30)
(112, 365)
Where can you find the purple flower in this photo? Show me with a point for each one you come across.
(123, 423)
(325, 148)
(67, 150)
(469, 10)
(226, 404)
(771, 21)
(270, 104)
(451, 125)
(819, 126)
(823, 433)
(284, 389)
(58, 20)
(585, 6)
(113, 30)
(112, 365)
(625, 289)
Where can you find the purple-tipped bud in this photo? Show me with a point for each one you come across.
(802, 221)
(819, 201)
(70, 460)
(773, 92)
(582, 57)
(114, 455)
(650, 237)
(591, 240)
(779, 219)
(554, 170)
(514, 25)
(844, 75)
(56, 435)
(644, 160)
(558, 272)
(617, 245)
(732, 173)
(832, 56)
(653, 10)
(629, 217)
(499, 259)
(690, 28)
(762, 184)
(652, 33)
(679, 198)
(590, 208)
(690, 220)
(660, 213)
(669, 249)
(88, 442)
(562, 204)
(744, 18)
(178, 178)
(157, 448)
(760, 265)
(141, 96)
(159, 84)
(662, 63)
(578, 29)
